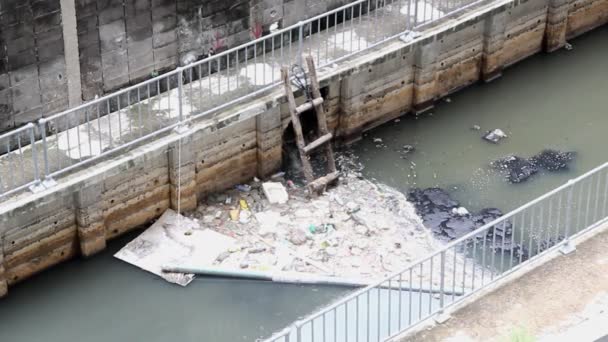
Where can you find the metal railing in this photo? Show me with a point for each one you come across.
(461, 268)
(84, 134)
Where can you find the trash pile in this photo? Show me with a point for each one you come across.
(517, 169)
(357, 228)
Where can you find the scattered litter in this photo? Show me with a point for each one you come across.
(243, 187)
(244, 205)
(495, 136)
(568, 46)
(244, 216)
(234, 214)
(448, 100)
(476, 128)
(377, 140)
(275, 193)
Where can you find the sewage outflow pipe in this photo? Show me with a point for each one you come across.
(298, 278)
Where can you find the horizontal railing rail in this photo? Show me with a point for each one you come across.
(113, 123)
(466, 265)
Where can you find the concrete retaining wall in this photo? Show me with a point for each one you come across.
(91, 206)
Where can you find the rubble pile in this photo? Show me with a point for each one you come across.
(357, 228)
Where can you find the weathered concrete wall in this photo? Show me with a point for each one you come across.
(125, 42)
(32, 64)
(91, 206)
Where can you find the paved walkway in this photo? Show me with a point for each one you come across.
(565, 299)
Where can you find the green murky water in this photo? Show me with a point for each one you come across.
(557, 101)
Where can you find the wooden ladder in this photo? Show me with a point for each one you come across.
(324, 136)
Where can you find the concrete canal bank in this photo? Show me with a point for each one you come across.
(93, 205)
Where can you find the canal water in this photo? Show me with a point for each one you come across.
(549, 101)
(557, 101)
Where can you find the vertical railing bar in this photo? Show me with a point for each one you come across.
(605, 204)
(512, 242)
(219, 77)
(119, 121)
(589, 181)
(540, 226)
(531, 231)
(597, 198)
(420, 293)
(502, 246)
(357, 319)
(86, 114)
(493, 251)
(21, 159)
(454, 263)
(521, 236)
(390, 299)
(483, 259)
(346, 322)
(128, 112)
(34, 154)
(8, 153)
(400, 299)
(77, 128)
(558, 216)
(473, 262)
(410, 291)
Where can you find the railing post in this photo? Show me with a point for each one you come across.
(48, 180)
(182, 126)
(415, 13)
(300, 43)
(34, 154)
(180, 88)
(441, 316)
(408, 16)
(36, 186)
(568, 247)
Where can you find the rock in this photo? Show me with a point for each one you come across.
(552, 160)
(495, 136)
(476, 128)
(225, 255)
(352, 207)
(460, 211)
(257, 249)
(302, 213)
(297, 237)
(458, 226)
(275, 193)
(408, 148)
(244, 264)
(244, 216)
(516, 169)
(218, 214)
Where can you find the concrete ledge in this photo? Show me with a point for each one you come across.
(428, 324)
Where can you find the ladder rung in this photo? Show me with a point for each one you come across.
(315, 144)
(308, 105)
(322, 182)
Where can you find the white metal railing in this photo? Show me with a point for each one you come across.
(466, 265)
(84, 134)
